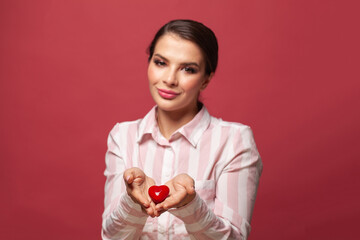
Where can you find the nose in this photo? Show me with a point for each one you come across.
(170, 78)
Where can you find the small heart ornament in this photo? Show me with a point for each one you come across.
(158, 193)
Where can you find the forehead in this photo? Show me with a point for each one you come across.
(177, 49)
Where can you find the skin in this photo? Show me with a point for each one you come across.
(137, 185)
(177, 65)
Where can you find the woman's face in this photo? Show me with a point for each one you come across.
(176, 74)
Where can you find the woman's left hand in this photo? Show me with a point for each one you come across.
(182, 191)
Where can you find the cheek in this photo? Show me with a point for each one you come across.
(154, 75)
(150, 74)
(191, 84)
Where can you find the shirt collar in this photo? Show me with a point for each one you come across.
(192, 131)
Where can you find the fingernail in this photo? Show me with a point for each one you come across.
(127, 179)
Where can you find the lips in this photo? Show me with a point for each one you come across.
(167, 94)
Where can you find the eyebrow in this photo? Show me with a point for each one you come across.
(185, 63)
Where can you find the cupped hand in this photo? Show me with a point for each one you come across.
(182, 191)
(137, 185)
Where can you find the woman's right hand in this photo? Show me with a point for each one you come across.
(137, 186)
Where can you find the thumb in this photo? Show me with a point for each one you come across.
(190, 189)
(189, 185)
(129, 177)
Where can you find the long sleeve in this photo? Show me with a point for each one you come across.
(236, 189)
(220, 156)
(122, 217)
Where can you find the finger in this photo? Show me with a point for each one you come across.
(151, 210)
(156, 213)
(129, 176)
(172, 201)
(129, 179)
(160, 212)
(140, 198)
(134, 176)
(143, 210)
(189, 184)
(190, 189)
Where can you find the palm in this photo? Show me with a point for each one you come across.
(137, 185)
(177, 190)
(141, 184)
(181, 192)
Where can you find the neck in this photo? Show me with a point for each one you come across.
(170, 121)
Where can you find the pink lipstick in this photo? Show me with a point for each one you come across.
(167, 94)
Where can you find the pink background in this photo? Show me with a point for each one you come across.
(70, 70)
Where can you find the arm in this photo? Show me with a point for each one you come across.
(235, 196)
(123, 217)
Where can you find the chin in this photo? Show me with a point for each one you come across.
(168, 107)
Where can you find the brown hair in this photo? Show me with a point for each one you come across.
(195, 32)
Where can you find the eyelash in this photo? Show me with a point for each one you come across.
(189, 70)
(159, 63)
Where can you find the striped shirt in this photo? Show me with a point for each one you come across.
(220, 156)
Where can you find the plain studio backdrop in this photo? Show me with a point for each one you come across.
(71, 69)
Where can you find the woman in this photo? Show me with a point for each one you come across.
(211, 167)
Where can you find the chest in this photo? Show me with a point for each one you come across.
(163, 162)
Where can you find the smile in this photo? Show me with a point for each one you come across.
(167, 94)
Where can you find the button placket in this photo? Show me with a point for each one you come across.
(166, 175)
(167, 165)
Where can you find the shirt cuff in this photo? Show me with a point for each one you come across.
(131, 211)
(196, 215)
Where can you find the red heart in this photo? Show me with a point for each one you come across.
(158, 193)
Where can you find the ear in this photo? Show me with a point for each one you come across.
(206, 81)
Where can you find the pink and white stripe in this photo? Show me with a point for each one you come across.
(220, 156)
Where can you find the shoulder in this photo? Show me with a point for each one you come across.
(123, 130)
(238, 140)
(123, 126)
(239, 135)
(132, 130)
(230, 127)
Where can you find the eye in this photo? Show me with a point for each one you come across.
(159, 62)
(190, 70)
